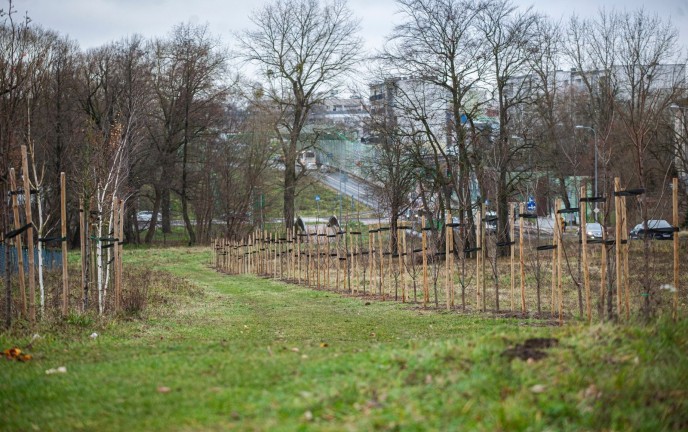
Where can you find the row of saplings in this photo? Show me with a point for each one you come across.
(101, 234)
(427, 262)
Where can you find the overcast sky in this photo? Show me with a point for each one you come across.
(95, 22)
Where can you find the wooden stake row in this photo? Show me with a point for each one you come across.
(318, 254)
(27, 298)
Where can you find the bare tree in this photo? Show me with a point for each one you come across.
(188, 72)
(393, 165)
(16, 66)
(304, 49)
(507, 34)
(650, 80)
(438, 52)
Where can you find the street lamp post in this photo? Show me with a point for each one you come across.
(594, 133)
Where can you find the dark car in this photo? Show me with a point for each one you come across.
(658, 229)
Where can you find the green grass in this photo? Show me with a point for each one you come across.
(245, 353)
(305, 204)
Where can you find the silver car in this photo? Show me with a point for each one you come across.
(593, 231)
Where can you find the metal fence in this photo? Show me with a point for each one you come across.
(52, 258)
(345, 155)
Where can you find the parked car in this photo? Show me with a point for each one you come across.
(490, 222)
(656, 229)
(593, 231)
(143, 218)
(326, 169)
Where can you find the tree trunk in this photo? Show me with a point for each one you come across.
(289, 188)
(154, 217)
(187, 221)
(165, 210)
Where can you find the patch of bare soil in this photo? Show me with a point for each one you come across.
(533, 348)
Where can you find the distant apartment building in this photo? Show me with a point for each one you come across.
(413, 106)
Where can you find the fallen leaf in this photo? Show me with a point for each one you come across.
(324, 345)
(12, 353)
(163, 389)
(308, 415)
(295, 349)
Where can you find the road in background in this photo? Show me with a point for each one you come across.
(351, 186)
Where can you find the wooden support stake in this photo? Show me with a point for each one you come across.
(328, 258)
(390, 262)
(426, 290)
(584, 252)
(297, 250)
(553, 279)
(354, 263)
(674, 201)
(82, 244)
(451, 265)
(337, 262)
(18, 245)
(603, 264)
(478, 256)
(521, 209)
(351, 261)
(317, 253)
(382, 264)
(29, 235)
(512, 250)
(560, 247)
(400, 263)
(404, 261)
(447, 264)
(120, 245)
(115, 252)
(483, 255)
(619, 264)
(625, 245)
(371, 260)
(309, 267)
(272, 242)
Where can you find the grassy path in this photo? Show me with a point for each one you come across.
(248, 354)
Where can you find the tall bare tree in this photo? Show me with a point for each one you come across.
(650, 79)
(393, 165)
(507, 33)
(188, 81)
(304, 49)
(437, 48)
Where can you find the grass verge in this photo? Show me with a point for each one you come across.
(252, 354)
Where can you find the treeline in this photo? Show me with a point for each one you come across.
(598, 98)
(168, 121)
(151, 121)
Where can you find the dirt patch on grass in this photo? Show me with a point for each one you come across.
(533, 348)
